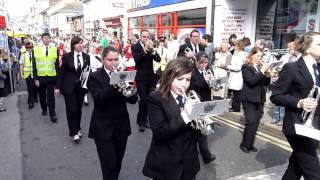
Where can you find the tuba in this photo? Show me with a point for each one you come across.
(204, 123)
(127, 88)
(85, 76)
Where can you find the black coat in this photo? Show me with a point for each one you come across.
(68, 78)
(294, 83)
(254, 83)
(184, 46)
(173, 150)
(110, 118)
(144, 62)
(199, 85)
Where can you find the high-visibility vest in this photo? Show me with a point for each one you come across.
(45, 64)
(27, 64)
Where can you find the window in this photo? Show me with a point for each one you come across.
(192, 17)
(134, 22)
(149, 21)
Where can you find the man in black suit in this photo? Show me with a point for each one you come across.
(201, 87)
(68, 82)
(110, 123)
(291, 91)
(144, 55)
(194, 46)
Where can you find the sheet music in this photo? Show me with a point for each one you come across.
(307, 131)
(274, 64)
(212, 108)
(218, 81)
(124, 76)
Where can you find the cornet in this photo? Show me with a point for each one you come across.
(123, 86)
(187, 50)
(85, 76)
(308, 117)
(204, 123)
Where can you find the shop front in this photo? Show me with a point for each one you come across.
(169, 17)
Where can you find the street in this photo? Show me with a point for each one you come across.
(48, 153)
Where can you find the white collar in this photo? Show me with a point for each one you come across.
(107, 71)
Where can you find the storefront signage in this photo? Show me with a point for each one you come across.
(235, 17)
(69, 20)
(113, 22)
(135, 5)
(265, 19)
(2, 22)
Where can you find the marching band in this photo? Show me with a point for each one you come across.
(166, 105)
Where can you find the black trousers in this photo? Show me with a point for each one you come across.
(144, 89)
(236, 102)
(253, 113)
(303, 160)
(32, 90)
(110, 155)
(73, 104)
(193, 178)
(46, 94)
(203, 146)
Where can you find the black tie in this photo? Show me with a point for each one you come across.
(47, 51)
(161, 51)
(180, 104)
(316, 74)
(196, 49)
(79, 64)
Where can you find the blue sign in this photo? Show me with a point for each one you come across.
(135, 5)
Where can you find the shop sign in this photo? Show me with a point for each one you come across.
(2, 22)
(135, 5)
(69, 20)
(113, 22)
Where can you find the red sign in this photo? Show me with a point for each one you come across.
(2, 22)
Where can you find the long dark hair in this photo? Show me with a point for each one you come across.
(174, 68)
(75, 40)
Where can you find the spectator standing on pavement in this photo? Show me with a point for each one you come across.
(173, 153)
(70, 85)
(232, 41)
(136, 38)
(144, 55)
(173, 47)
(247, 44)
(235, 80)
(159, 67)
(45, 67)
(209, 48)
(291, 91)
(253, 97)
(26, 72)
(2, 86)
(110, 123)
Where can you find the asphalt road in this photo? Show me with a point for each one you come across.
(49, 154)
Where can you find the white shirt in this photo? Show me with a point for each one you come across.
(194, 49)
(175, 97)
(107, 71)
(310, 68)
(75, 59)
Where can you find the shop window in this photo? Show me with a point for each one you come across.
(166, 20)
(134, 22)
(192, 17)
(281, 21)
(149, 21)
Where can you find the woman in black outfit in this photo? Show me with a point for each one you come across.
(253, 96)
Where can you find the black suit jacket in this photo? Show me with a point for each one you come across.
(110, 118)
(254, 83)
(144, 62)
(294, 83)
(199, 85)
(173, 150)
(68, 78)
(184, 46)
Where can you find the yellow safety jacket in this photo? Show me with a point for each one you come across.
(45, 64)
(27, 65)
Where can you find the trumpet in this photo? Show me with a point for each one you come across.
(123, 86)
(85, 76)
(204, 123)
(187, 50)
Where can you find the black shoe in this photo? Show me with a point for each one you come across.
(207, 160)
(53, 119)
(86, 103)
(44, 113)
(30, 106)
(254, 149)
(141, 128)
(244, 149)
(2, 109)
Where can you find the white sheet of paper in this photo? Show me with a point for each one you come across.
(307, 131)
(126, 76)
(212, 108)
(214, 82)
(274, 64)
